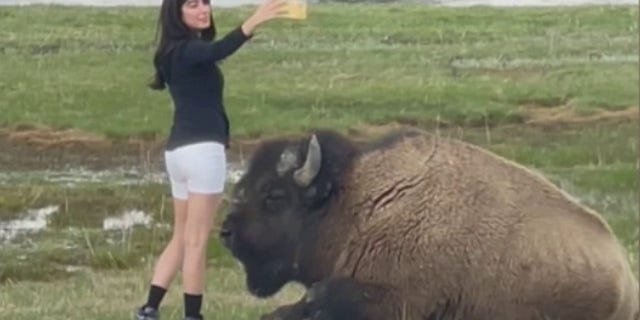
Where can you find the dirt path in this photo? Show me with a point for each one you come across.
(25, 148)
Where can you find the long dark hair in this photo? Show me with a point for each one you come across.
(171, 30)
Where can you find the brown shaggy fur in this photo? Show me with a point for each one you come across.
(452, 228)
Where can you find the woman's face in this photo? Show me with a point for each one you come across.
(196, 14)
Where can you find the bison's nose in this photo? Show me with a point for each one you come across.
(226, 235)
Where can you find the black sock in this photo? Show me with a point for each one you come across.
(192, 305)
(156, 294)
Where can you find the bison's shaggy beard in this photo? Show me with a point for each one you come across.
(265, 273)
(265, 280)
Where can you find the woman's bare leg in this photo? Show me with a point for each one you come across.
(168, 263)
(170, 260)
(201, 210)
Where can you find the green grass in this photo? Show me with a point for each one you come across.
(603, 178)
(88, 68)
(114, 295)
(478, 72)
(75, 235)
(117, 264)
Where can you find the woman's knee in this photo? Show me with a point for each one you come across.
(177, 239)
(195, 240)
(200, 216)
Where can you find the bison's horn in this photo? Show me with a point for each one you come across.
(311, 167)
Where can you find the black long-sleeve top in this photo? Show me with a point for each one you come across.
(196, 85)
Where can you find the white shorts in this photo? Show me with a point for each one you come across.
(197, 168)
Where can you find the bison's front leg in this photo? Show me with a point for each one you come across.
(347, 299)
(339, 299)
(288, 312)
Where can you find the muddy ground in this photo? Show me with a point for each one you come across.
(49, 246)
(31, 148)
(27, 148)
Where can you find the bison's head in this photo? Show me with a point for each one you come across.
(278, 203)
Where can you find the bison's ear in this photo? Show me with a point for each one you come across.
(316, 196)
(311, 167)
(288, 161)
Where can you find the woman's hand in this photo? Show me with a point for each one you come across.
(268, 10)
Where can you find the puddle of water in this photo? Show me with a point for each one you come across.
(74, 269)
(235, 172)
(127, 220)
(36, 220)
(120, 176)
(74, 176)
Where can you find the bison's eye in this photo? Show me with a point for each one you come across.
(275, 199)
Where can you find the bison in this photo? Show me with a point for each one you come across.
(418, 226)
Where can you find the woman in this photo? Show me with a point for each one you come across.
(186, 62)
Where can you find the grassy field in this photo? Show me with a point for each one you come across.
(111, 295)
(88, 68)
(554, 89)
